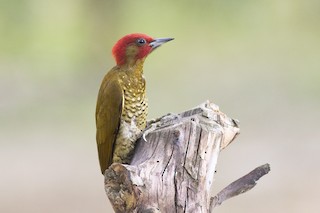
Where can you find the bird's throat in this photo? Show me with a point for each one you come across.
(134, 67)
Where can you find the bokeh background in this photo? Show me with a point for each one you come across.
(258, 60)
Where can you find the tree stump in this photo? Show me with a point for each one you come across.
(173, 169)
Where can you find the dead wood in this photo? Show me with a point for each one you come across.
(173, 170)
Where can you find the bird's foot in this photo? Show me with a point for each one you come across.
(149, 129)
(162, 119)
(143, 134)
(158, 122)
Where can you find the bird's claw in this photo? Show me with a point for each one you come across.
(144, 137)
(147, 130)
(155, 123)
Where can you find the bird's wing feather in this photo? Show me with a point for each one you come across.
(108, 115)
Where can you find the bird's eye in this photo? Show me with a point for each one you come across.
(141, 41)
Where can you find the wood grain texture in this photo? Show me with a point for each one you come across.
(173, 170)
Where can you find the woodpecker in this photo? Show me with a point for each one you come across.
(122, 106)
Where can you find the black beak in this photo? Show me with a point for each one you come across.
(158, 42)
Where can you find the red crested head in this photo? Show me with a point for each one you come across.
(135, 46)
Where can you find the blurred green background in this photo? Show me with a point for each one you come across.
(258, 60)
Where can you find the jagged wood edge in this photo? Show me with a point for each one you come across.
(239, 186)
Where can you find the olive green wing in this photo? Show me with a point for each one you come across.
(108, 115)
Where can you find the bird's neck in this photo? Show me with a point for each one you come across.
(134, 68)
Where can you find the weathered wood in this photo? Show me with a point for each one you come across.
(173, 170)
(239, 186)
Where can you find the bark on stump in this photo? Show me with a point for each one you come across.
(173, 170)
